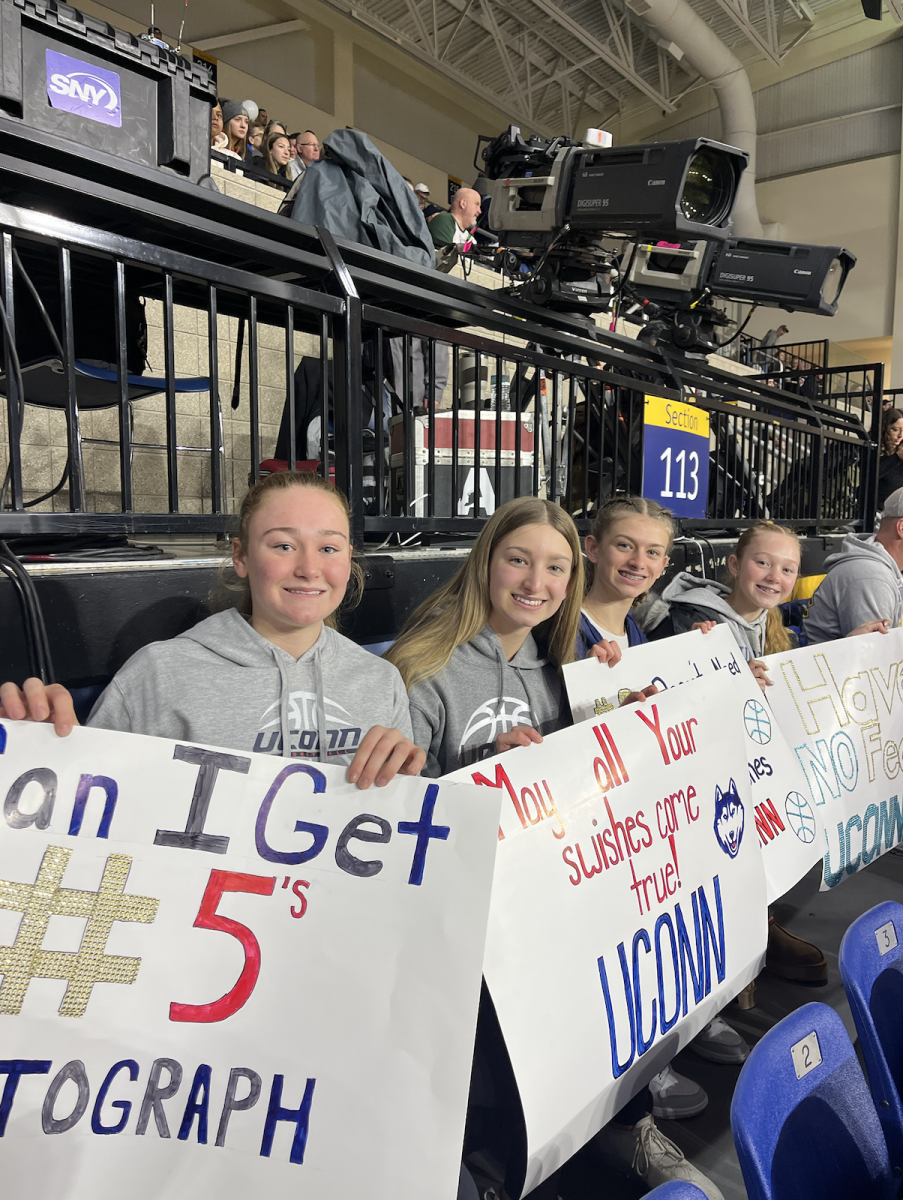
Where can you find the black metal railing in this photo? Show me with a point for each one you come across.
(783, 358)
(429, 403)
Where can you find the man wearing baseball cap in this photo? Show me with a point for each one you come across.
(862, 591)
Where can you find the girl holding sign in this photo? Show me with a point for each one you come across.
(481, 657)
(763, 569)
(482, 661)
(628, 547)
(272, 676)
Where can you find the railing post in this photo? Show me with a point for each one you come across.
(869, 488)
(348, 387)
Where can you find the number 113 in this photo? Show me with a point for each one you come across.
(682, 459)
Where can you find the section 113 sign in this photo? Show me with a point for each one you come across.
(676, 456)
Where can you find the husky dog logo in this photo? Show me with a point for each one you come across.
(729, 819)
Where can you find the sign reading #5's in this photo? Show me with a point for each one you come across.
(676, 456)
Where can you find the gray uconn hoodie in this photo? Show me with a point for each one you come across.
(457, 713)
(691, 599)
(223, 684)
(863, 583)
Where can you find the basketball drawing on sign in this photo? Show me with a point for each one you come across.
(729, 819)
(757, 722)
(800, 817)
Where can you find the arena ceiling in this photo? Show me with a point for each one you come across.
(558, 65)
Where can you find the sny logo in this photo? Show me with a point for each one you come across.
(729, 819)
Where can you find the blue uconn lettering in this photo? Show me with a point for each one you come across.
(682, 962)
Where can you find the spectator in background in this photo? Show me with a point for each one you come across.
(218, 139)
(862, 591)
(295, 168)
(277, 155)
(308, 147)
(453, 228)
(273, 127)
(766, 356)
(236, 123)
(262, 117)
(427, 207)
(255, 141)
(890, 464)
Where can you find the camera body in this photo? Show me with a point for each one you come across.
(661, 189)
(554, 201)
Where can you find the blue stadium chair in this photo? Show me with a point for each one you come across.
(871, 967)
(802, 1118)
(676, 1189)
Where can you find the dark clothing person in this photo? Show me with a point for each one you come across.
(890, 476)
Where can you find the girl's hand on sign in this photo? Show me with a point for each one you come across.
(881, 626)
(705, 626)
(37, 701)
(760, 671)
(383, 754)
(641, 696)
(605, 652)
(521, 735)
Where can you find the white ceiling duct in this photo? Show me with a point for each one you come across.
(676, 21)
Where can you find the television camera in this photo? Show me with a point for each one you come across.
(554, 203)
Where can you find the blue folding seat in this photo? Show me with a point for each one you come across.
(676, 1189)
(871, 967)
(803, 1121)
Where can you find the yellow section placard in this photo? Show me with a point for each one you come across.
(672, 414)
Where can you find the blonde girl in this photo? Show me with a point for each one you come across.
(762, 570)
(272, 676)
(482, 657)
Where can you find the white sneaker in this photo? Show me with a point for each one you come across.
(653, 1157)
(675, 1097)
(720, 1043)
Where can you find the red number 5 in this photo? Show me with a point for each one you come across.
(208, 918)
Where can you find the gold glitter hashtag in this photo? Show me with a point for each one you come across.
(43, 899)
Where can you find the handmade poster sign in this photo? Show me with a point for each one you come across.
(227, 975)
(628, 905)
(595, 689)
(840, 705)
(783, 811)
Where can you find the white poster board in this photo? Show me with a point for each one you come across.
(227, 975)
(784, 814)
(623, 915)
(840, 705)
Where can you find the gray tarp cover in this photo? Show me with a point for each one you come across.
(357, 194)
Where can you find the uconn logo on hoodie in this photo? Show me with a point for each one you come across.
(484, 724)
(303, 721)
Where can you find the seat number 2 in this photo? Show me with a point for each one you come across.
(806, 1055)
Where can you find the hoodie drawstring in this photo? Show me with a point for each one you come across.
(321, 706)
(283, 707)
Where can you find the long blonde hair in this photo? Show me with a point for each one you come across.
(619, 507)
(460, 608)
(280, 481)
(777, 640)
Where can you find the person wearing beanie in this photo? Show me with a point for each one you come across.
(235, 126)
(862, 590)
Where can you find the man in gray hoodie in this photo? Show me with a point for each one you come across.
(863, 582)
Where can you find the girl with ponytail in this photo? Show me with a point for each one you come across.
(762, 571)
